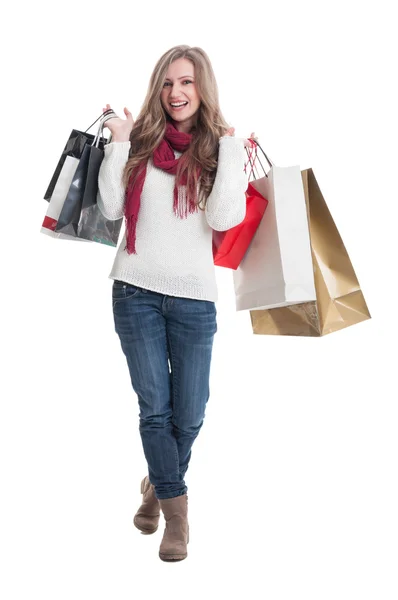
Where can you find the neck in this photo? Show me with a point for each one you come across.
(184, 126)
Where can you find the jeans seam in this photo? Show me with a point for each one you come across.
(173, 389)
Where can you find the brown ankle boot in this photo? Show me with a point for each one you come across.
(147, 517)
(176, 533)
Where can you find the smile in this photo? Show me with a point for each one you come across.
(178, 105)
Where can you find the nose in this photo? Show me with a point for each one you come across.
(175, 90)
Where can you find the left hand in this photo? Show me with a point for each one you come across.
(231, 132)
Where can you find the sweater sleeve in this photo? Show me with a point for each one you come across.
(111, 192)
(226, 203)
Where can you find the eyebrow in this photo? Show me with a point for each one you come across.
(183, 77)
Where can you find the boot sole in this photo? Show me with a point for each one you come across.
(144, 530)
(172, 557)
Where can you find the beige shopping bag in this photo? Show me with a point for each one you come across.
(277, 268)
(339, 301)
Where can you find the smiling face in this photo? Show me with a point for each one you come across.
(179, 96)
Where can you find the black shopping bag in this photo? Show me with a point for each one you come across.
(74, 147)
(92, 225)
(68, 220)
(80, 215)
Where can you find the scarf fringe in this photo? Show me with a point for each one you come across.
(181, 207)
(131, 234)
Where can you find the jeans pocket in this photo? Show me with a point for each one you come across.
(121, 290)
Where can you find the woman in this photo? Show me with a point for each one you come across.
(175, 174)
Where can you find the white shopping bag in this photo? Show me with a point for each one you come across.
(277, 269)
(58, 198)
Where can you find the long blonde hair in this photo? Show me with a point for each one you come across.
(150, 125)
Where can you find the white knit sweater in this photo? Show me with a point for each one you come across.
(174, 256)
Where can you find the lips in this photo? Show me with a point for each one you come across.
(179, 106)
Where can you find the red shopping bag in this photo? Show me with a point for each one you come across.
(229, 247)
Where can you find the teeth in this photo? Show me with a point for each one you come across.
(178, 104)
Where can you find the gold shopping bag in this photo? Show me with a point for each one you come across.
(339, 300)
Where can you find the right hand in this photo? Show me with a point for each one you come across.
(120, 128)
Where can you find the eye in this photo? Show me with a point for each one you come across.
(166, 83)
(188, 81)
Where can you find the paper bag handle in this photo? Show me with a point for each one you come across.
(104, 114)
(256, 158)
(269, 161)
(108, 114)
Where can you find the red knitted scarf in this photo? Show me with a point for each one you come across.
(163, 158)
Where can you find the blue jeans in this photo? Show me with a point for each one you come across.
(168, 343)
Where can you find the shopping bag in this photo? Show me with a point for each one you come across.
(70, 213)
(339, 300)
(57, 199)
(63, 177)
(277, 268)
(91, 224)
(73, 149)
(229, 247)
(80, 215)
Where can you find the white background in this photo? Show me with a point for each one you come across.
(293, 478)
